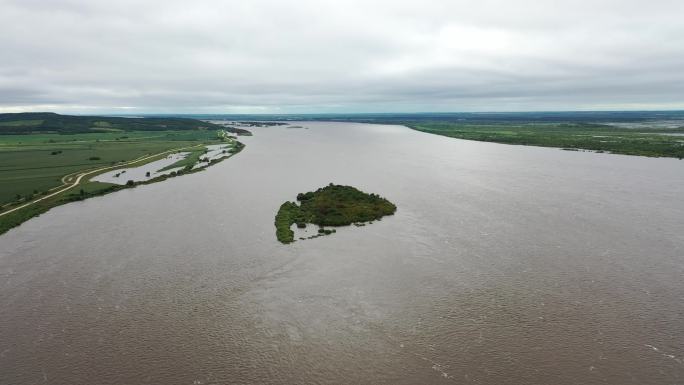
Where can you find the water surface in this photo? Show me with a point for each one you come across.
(503, 265)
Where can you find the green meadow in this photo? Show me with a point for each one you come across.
(32, 164)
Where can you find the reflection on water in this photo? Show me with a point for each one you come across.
(502, 265)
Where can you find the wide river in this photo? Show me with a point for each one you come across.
(503, 265)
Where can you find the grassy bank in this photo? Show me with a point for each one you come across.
(48, 122)
(576, 136)
(31, 174)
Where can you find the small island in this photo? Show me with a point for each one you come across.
(332, 205)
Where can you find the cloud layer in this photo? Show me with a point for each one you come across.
(340, 56)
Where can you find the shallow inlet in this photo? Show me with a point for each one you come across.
(502, 265)
(140, 173)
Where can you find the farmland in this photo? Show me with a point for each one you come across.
(33, 164)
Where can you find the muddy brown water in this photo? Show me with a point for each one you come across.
(503, 265)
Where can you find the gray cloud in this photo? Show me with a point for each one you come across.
(339, 56)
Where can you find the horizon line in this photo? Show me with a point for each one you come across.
(354, 113)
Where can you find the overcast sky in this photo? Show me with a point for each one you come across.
(251, 56)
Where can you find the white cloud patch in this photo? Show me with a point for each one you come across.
(340, 56)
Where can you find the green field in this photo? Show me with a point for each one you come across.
(574, 136)
(32, 164)
(190, 160)
(47, 159)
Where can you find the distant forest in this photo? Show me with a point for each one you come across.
(44, 122)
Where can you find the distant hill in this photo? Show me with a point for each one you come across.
(35, 122)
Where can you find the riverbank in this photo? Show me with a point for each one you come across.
(615, 139)
(16, 213)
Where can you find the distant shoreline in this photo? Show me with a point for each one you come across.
(598, 138)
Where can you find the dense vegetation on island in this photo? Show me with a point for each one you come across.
(333, 205)
(643, 133)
